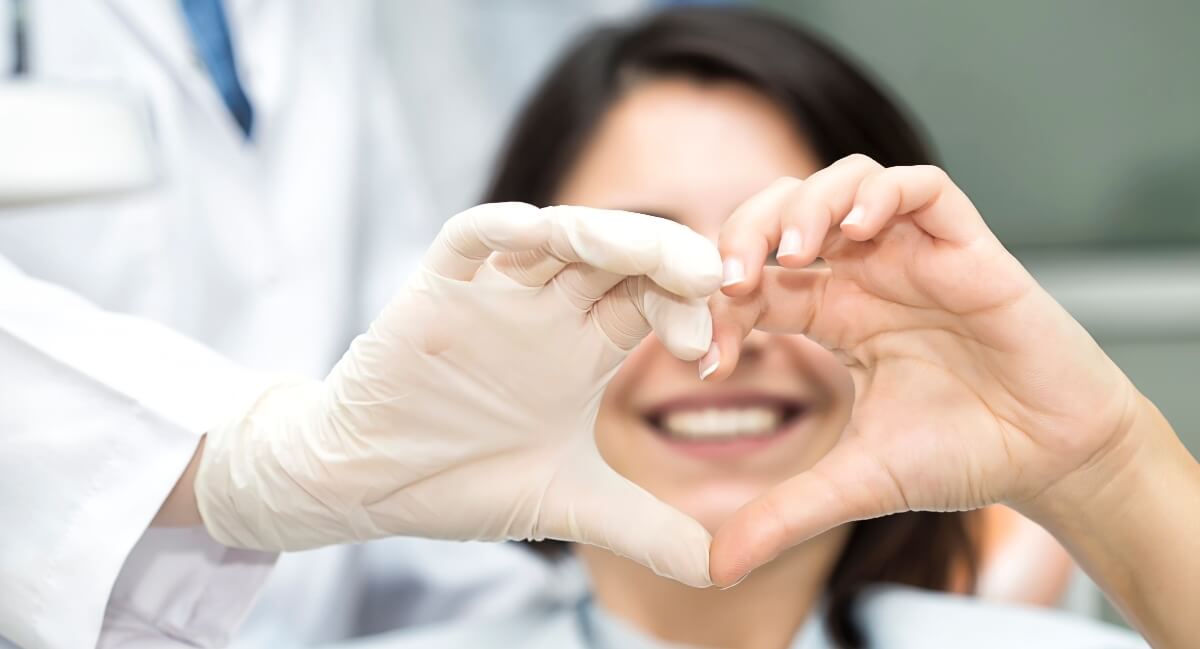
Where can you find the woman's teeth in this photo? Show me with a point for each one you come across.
(715, 423)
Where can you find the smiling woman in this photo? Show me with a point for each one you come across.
(685, 117)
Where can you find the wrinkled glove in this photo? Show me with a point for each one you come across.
(467, 410)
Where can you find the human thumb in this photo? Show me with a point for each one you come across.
(591, 503)
(845, 486)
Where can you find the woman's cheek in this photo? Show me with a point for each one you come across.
(713, 503)
(617, 411)
(634, 370)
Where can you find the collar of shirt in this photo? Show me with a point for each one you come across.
(602, 630)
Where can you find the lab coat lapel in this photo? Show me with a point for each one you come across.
(160, 26)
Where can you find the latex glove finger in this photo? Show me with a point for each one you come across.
(529, 267)
(468, 238)
(623, 243)
(637, 306)
(674, 256)
(584, 285)
(846, 485)
(594, 504)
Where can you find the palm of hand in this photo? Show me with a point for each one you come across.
(962, 400)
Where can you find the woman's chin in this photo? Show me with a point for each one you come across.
(713, 505)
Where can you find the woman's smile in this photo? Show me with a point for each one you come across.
(721, 424)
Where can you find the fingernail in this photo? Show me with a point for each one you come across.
(734, 272)
(740, 580)
(789, 243)
(854, 217)
(710, 362)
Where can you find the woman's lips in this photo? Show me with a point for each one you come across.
(724, 425)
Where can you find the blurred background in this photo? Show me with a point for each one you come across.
(1072, 125)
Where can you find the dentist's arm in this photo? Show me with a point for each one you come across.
(99, 415)
(179, 509)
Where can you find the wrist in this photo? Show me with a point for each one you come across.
(1121, 467)
(180, 509)
(256, 465)
(1129, 517)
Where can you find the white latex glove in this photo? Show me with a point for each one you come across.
(467, 410)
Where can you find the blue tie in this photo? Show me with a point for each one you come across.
(210, 32)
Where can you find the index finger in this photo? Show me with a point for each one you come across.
(541, 242)
(672, 255)
(468, 238)
(750, 233)
(786, 301)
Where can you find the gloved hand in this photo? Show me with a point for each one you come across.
(467, 410)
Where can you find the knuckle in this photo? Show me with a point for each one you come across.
(881, 183)
(732, 233)
(858, 160)
(771, 528)
(816, 203)
(786, 182)
(934, 172)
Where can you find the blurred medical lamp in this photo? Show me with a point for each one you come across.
(61, 140)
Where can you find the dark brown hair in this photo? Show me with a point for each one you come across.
(838, 110)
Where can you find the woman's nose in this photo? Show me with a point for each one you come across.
(753, 347)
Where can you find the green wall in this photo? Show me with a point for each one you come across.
(1068, 122)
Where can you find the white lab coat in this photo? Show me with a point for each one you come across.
(130, 323)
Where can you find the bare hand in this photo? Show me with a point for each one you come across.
(973, 386)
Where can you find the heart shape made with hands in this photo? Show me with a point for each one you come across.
(972, 385)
